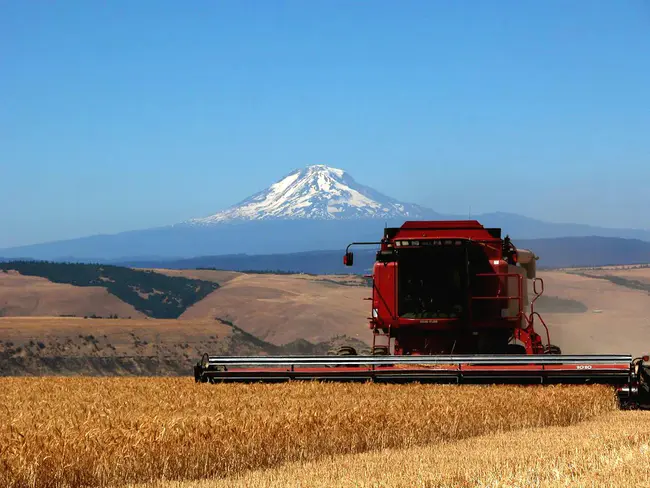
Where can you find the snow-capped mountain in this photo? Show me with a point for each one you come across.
(317, 192)
(315, 208)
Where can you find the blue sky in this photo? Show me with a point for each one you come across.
(123, 115)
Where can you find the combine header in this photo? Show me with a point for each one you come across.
(450, 304)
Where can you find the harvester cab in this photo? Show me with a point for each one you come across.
(444, 287)
(450, 304)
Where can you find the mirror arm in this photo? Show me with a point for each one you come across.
(347, 249)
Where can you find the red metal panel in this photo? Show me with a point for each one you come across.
(384, 293)
(441, 224)
(468, 229)
(532, 368)
(475, 234)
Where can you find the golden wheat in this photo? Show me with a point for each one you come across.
(612, 451)
(60, 432)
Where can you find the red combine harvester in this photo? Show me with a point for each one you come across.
(450, 304)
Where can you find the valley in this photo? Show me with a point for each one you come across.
(43, 329)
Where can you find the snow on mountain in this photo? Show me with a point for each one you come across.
(317, 192)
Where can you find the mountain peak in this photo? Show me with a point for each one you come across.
(323, 168)
(317, 192)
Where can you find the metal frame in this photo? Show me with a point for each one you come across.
(467, 359)
(611, 370)
(460, 369)
(618, 371)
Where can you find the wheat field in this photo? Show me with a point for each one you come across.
(65, 432)
(610, 451)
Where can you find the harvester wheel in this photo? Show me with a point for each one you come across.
(516, 349)
(552, 349)
(346, 351)
(380, 351)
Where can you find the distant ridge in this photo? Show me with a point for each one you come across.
(554, 253)
(318, 207)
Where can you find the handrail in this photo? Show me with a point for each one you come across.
(519, 297)
(530, 320)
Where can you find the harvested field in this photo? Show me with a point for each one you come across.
(616, 321)
(639, 274)
(64, 432)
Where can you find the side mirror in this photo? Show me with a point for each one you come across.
(348, 259)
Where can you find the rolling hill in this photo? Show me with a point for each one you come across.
(155, 295)
(281, 309)
(36, 296)
(72, 346)
(262, 313)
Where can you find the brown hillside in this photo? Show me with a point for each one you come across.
(217, 276)
(62, 345)
(111, 337)
(282, 308)
(151, 347)
(34, 296)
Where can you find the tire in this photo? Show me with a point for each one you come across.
(346, 351)
(516, 349)
(380, 351)
(552, 349)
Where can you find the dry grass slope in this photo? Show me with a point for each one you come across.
(34, 296)
(64, 432)
(74, 346)
(282, 308)
(217, 276)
